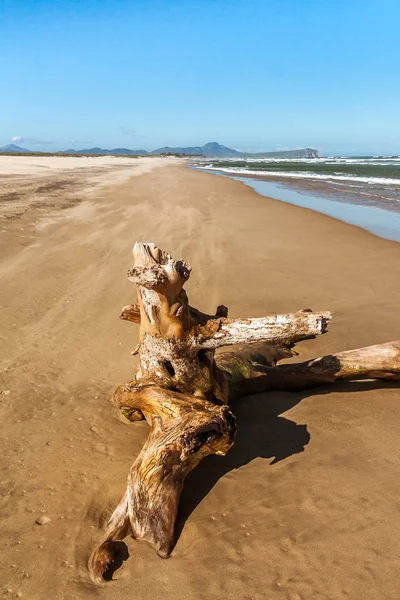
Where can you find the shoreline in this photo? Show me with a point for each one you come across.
(369, 182)
(376, 220)
(300, 491)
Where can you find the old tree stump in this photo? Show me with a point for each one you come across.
(183, 390)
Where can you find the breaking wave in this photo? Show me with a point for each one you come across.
(305, 175)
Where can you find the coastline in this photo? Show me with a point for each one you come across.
(377, 220)
(303, 487)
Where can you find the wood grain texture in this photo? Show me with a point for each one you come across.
(182, 389)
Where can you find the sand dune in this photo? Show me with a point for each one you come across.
(305, 504)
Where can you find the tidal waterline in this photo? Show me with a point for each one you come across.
(383, 223)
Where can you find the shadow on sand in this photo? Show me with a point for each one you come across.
(262, 433)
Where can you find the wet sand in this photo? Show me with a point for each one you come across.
(379, 221)
(305, 504)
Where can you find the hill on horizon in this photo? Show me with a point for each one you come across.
(113, 152)
(13, 148)
(211, 149)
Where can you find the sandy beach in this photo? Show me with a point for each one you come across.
(305, 505)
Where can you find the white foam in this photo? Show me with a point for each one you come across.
(385, 161)
(304, 175)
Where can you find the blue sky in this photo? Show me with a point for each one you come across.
(250, 74)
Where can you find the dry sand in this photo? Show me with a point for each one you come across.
(306, 504)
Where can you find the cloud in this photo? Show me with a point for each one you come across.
(19, 138)
(128, 131)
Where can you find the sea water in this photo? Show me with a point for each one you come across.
(361, 191)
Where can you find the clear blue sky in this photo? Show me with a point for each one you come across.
(247, 73)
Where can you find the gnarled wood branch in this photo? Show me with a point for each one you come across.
(249, 369)
(286, 329)
(182, 389)
(183, 430)
(177, 342)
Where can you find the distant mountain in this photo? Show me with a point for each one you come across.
(127, 151)
(13, 148)
(210, 149)
(215, 149)
(114, 152)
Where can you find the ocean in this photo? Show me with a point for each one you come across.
(362, 191)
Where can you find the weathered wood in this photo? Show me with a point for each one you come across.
(183, 430)
(249, 370)
(177, 342)
(286, 329)
(131, 312)
(181, 393)
(182, 389)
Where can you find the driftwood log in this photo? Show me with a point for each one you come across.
(183, 390)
